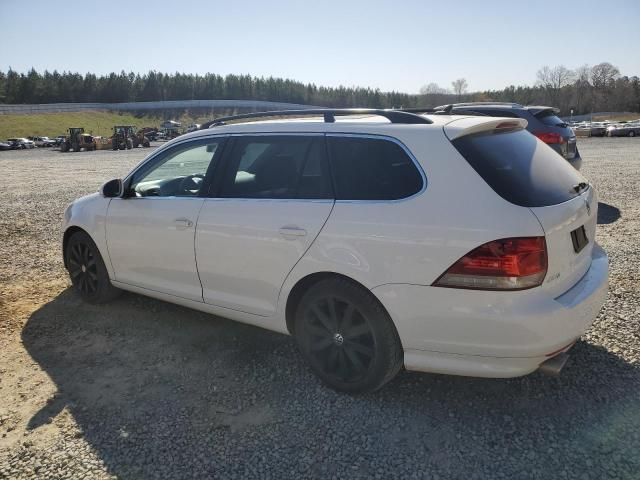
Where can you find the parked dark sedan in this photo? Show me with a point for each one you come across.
(624, 130)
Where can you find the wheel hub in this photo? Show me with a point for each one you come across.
(338, 339)
(84, 269)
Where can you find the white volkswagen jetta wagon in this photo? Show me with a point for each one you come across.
(450, 244)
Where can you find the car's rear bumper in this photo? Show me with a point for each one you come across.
(492, 334)
(576, 162)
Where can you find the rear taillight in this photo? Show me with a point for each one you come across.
(507, 264)
(551, 138)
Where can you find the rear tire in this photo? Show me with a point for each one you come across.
(347, 337)
(87, 271)
(632, 133)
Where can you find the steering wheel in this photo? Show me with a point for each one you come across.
(190, 185)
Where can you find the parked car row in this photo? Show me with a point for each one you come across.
(43, 141)
(624, 130)
(607, 129)
(17, 144)
(21, 143)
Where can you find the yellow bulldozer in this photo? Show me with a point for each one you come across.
(127, 137)
(76, 140)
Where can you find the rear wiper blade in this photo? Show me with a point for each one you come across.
(579, 187)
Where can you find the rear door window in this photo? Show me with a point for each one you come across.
(521, 169)
(278, 166)
(372, 169)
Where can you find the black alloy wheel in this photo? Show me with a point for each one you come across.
(87, 270)
(83, 268)
(341, 341)
(347, 337)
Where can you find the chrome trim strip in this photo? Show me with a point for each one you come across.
(276, 134)
(270, 200)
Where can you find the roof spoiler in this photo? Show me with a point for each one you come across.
(471, 125)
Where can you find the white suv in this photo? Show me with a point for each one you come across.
(451, 244)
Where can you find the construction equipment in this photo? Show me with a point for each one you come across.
(141, 139)
(121, 138)
(127, 136)
(76, 140)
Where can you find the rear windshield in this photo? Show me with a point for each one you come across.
(548, 117)
(520, 168)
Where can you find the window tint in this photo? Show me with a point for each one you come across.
(278, 167)
(486, 111)
(519, 168)
(499, 113)
(180, 173)
(548, 117)
(372, 169)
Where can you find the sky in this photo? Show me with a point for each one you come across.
(391, 45)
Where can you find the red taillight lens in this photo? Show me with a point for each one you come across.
(507, 264)
(550, 137)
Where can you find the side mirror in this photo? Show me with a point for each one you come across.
(113, 188)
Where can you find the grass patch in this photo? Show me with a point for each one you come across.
(94, 122)
(53, 124)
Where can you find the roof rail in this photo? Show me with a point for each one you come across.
(472, 104)
(329, 114)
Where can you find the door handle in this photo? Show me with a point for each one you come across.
(182, 223)
(292, 231)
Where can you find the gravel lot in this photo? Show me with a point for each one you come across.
(143, 389)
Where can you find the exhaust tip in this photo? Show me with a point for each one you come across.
(554, 365)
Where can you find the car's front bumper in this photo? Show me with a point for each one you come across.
(492, 334)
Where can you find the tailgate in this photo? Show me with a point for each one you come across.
(569, 253)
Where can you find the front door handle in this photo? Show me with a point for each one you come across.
(292, 231)
(183, 223)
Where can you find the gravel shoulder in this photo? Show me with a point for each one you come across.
(144, 389)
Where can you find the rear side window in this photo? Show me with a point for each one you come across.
(278, 167)
(519, 168)
(372, 169)
(548, 117)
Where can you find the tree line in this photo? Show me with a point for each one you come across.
(583, 90)
(55, 87)
(586, 89)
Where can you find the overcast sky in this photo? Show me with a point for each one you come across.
(391, 45)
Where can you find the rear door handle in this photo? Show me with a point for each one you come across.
(183, 223)
(292, 231)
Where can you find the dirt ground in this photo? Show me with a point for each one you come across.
(143, 389)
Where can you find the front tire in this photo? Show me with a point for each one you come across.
(87, 271)
(347, 337)
(632, 133)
